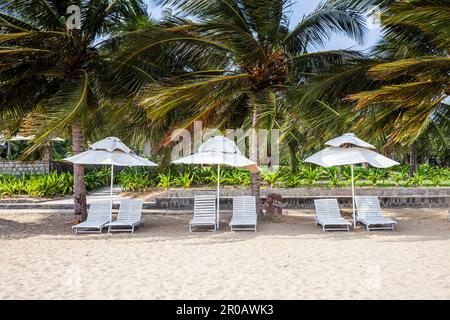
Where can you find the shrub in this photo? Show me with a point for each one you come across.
(132, 180)
(311, 174)
(333, 175)
(397, 177)
(272, 177)
(417, 180)
(375, 175)
(165, 180)
(184, 179)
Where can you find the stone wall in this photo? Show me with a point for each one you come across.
(304, 198)
(24, 167)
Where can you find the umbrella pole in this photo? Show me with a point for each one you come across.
(111, 192)
(218, 195)
(353, 198)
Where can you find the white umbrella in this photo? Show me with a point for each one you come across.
(219, 151)
(349, 149)
(23, 138)
(110, 151)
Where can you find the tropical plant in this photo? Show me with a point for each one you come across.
(234, 177)
(311, 174)
(416, 180)
(347, 175)
(184, 179)
(242, 57)
(437, 180)
(165, 180)
(273, 177)
(414, 76)
(54, 79)
(135, 181)
(292, 180)
(397, 177)
(333, 175)
(375, 175)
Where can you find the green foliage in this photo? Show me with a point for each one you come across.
(397, 177)
(184, 179)
(311, 174)
(235, 177)
(133, 180)
(347, 175)
(97, 178)
(165, 180)
(141, 179)
(36, 185)
(375, 175)
(292, 180)
(417, 180)
(333, 175)
(273, 177)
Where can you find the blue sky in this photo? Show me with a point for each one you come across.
(303, 7)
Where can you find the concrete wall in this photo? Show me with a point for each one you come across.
(24, 167)
(304, 198)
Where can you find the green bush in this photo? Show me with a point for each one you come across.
(135, 180)
(235, 177)
(141, 179)
(272, 177)
(310, 174)
(184, 179)
(165, 180)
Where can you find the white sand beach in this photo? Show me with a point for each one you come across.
(41, 258)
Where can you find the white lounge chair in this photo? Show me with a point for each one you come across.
(244, 214)
(129, 217)
(204, 212)
(98, 216)
(369, 214)
(329, 216)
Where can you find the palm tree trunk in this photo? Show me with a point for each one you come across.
(413, 159)
(255, 178)
(79, 190)
(8, 150)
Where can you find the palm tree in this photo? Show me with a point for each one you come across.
(396, 93)
(59, 77)
(241, 57)
(416, 76)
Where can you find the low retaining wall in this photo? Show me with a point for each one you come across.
(24, 167)
(304, 198)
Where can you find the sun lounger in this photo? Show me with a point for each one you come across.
(204, 212)
(329, 216)
(98, 216)
(369, 214)
(129, 217)
(244, 214)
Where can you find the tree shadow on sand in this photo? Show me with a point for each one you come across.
(163, 228)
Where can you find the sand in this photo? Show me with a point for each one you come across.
(41, 258)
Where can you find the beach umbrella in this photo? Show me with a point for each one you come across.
(348, 149)
(219, 151)
(113, 152)
(4, 139)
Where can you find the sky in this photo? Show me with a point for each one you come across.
(304, 7)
